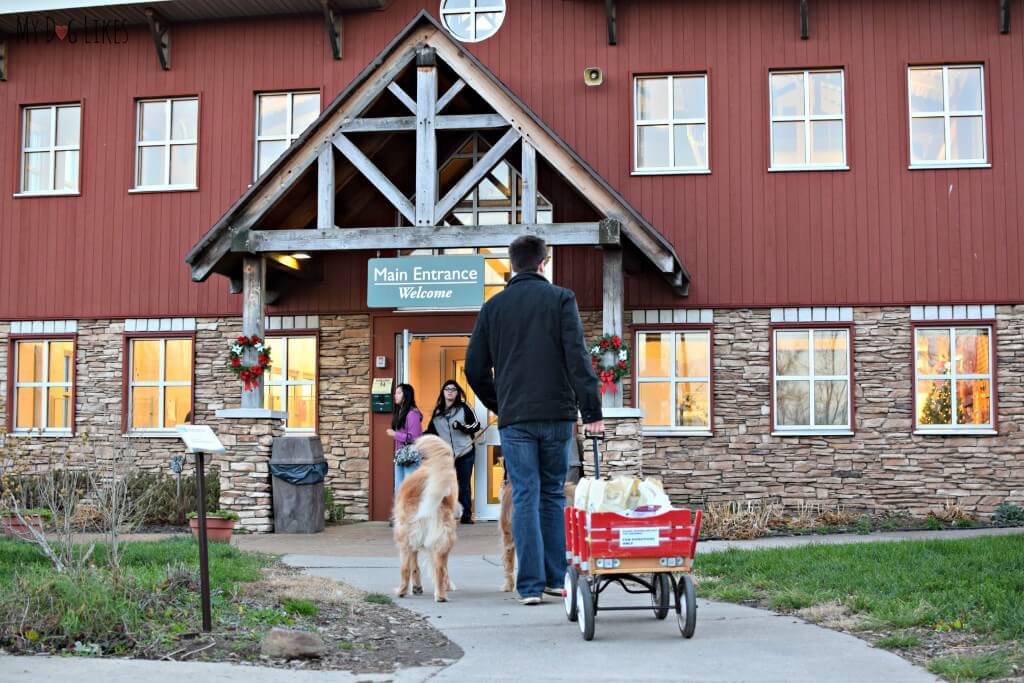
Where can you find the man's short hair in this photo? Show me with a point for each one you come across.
(526, 253)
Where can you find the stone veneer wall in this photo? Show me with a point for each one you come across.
(5, 329)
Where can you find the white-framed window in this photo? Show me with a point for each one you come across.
(160, 383)
(290, 384)
(808, 120)
(43, 385)
(673, 379)
(812, 379)
(280, 119)
(166, 141)
(670, 124)
(472, 20)
(953, 379)
(947, 115)
(50, 148)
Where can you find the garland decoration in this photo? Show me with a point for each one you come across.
(610, 357)
(249, 374)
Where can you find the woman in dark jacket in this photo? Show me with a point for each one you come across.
(453, 420)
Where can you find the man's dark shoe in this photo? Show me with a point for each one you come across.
(467, 521)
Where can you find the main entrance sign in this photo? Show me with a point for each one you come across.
(449, 281)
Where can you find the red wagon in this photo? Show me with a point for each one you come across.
(644, 555)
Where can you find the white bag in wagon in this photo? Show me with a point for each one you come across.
(623, 495)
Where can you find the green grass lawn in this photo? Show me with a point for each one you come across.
(971, 586)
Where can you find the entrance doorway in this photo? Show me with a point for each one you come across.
(427, 361)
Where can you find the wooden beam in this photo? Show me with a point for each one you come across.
(402, 96)
(332, 22)
(375, 176)
(475, 174)
(159, 28)
(450, 95)
(602, 233)
(611, 322)
(325, 188)
(805, 29)
(391, 124)
(1004, 16)
(426, 139)
(528, 172)
(611, 15)
(470, 122)
(254, 289)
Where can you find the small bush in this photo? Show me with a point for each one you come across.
(898, 641)
(933, 523)
(304, 607)
(1008, 514)
(991, 665)
(738, 520)
(864, 524)
(379, 599)
(333, 512)
(163, 504)
(217, 514)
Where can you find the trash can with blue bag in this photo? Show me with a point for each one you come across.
(298, 468)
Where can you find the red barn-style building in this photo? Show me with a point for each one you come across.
(801, 217)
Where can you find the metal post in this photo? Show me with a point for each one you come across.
(204, 560)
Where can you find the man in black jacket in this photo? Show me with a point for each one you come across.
(528, 363)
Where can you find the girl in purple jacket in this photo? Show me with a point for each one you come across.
(406, 427)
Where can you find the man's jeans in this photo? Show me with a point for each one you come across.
(536, 457)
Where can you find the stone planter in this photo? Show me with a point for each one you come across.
(217, 529)
(13, 528)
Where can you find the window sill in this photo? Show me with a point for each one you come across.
(153, 434)
(814, 432)
(932, 167)
(804, 169)
(26, 195)
(955, 432)
(50, 434)
(169, 188)
(672, 171)
(674, 432)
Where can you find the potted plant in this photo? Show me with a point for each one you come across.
(219, 525)
(13, 527)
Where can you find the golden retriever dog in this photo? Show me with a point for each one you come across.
(508, 544)
(425, 515)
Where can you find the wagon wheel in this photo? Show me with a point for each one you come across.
(569, 588)
(661, 594)
(585, 604)
(686, 606)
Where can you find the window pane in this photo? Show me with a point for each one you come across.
(787, 94)
(791, 354)
(30, 362)
(152, 121)
(58, 409)
(655, 355)
(487, 23)
(177, 405)
(691, 146)
(966, 138)
(656, 403)
(146, 360)
(793, 406)
(652, 99)
(488, 191)
(688, 98)
(925, 90)
(305, 109)
(934, 405)
(460, 25)
(269, 152)
(491, 290)
(37, 172)
(183, 165)
(831, 403)
(965, 89)
(545, 217)
(692, 404)
(652, 147)
(273, 398)
(827, 142)
(302, 407)
(152, 165)
(826, 93)
(61, 361)
(276, 347)
(273, 115)
(67, 171)
(30, 408)
(145, 407)
(302, 358)
(692, 354)
(178, 366)
(927, 140)
(497, 271)
(67, 125)
(788, 143)
(972, 351)
(830, 352)
(933, 351)
(493, 218)
(973, 402)
(37, 127)
(184, 119)
(457, 4)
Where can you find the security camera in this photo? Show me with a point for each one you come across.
(593, 76)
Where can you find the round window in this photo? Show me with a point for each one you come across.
(472, 20)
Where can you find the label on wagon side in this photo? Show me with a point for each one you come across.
(638, 538)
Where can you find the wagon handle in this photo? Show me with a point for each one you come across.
(595, 437)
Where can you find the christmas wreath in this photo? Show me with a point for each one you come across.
(249, 374)
(610, 357)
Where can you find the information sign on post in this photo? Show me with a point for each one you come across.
(447, 281)
(200, 440)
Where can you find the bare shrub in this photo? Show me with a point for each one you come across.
(739, 520)
(950, 512)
